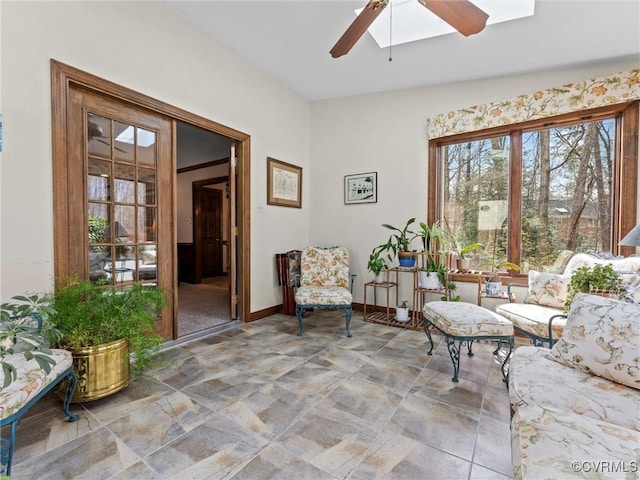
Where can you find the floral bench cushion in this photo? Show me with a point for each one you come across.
(533, 370)
(533, 318)
(602, 337)
(325, 267)
(549, 443)
(547, 289)
(31, 380)
(462, 319)
(312, 295)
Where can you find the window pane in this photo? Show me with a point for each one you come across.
(98, 136)
(566, 202)
(475, 209)
(123, 140)
(98, 223)
(146, 224)
(146, 186)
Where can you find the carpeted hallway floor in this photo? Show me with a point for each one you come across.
(203, 305)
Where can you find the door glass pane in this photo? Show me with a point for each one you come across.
(147, 224)
(98, 223)
(121, 207)
(124, 186)
(98, 136)
(475, 203)
(147, 263)
(123, 141)
(566, 205)
(146, 186)
(98, 182)
(146, 147)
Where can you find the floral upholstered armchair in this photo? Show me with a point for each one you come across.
(324, 282)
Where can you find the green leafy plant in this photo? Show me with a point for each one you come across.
(600, 278)
(376, 263)
(93, 313)
(499, 266)
(398, 241)
(25, 329)
(404, 304)
(462, 252)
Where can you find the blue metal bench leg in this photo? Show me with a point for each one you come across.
(454, 353)
(299, 313)
(505, 367)
(71, 382)
(425, 325)
(348, 319)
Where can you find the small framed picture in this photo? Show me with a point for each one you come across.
(284, 184)
(361, 188)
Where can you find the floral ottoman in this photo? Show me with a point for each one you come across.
(465, 323)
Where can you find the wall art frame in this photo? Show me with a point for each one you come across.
(361, 188)
(284, 184)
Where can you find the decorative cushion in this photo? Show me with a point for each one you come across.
(462, 319)
(325, 267)
(602, 337)
(548, 443)
(533, 370)
(533, 318)
(31, 380)
(312, 295)
(619, 264)
(547, 289)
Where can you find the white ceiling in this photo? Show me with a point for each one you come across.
(291, 40)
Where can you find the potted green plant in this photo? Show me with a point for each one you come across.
(26, 329)
(600, 279)
(376, 265)
(433, 274)
(402, 312)
(398, 244)
(493, 285)
(101, 325)
(463, 263)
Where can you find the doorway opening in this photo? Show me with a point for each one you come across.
(204, 206)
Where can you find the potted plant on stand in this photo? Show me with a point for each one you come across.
(402, 312)
(398, 244)
(101, 325)
(432, 275)
(376, 265)
(463, 263)
(493, 285)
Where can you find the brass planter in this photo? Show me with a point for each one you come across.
(101, 370)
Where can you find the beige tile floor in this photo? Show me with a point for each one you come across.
(257, 402)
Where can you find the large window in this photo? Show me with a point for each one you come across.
(533, 193)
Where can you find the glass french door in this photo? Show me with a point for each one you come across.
(120, 219)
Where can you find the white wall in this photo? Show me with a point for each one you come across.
(145, 47)
(387, 133)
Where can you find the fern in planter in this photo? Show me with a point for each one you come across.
(94, 313)
(596, 279)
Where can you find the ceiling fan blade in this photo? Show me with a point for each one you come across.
(358, 27)
(108, 144)
(462, 15)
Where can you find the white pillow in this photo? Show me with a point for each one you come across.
(547, 289)
(602, 337)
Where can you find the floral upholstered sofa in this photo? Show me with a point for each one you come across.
(576, 407)
(539, 315)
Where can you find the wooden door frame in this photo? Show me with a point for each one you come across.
(196, 186)
(62, 78)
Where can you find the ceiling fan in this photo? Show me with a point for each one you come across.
(94, 132)
(462, 15)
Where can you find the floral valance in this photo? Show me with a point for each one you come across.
(597, 92)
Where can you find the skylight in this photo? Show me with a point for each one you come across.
(411, 21)
(145, 138)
